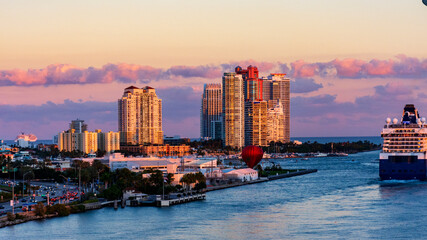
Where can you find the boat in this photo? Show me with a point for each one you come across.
(403, 156)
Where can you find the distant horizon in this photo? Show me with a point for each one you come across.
(199, 138)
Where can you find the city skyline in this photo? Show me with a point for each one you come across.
(340, 56)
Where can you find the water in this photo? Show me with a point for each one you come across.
(343, 200)
(373, 139)
(12, 142)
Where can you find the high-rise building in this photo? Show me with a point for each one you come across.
(211, 111)
(256, 123)
(140, 116)
(78, 125)
(277, 88)
(88, 142)
(264, 118)
(275, 123)
(233, 121)
(251, 82)
(108, 141)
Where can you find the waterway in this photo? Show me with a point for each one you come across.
(343, 200)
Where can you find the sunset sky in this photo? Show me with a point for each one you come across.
(352, 63)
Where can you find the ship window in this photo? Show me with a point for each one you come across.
(400, 170)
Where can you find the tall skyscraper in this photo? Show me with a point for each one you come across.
(140, 116)
(277, 88)
(266, 107)
(251, 82)
(255, 107)
(211, 111)
(275, 123)
(233, 110)
(256, 123)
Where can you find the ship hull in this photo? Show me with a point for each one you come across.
(403, 168)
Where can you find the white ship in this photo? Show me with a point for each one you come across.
(403, 156)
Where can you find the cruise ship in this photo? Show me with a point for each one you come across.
(403, 156)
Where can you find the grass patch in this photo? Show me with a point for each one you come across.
(91, 200)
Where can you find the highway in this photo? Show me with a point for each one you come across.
(57, 194)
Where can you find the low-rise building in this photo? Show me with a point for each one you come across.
(244, 175)
(139, 164)
(159, 151)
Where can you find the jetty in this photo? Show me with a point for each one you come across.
(180, 200)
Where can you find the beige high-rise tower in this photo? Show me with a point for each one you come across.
(140, 116)
(277, 88)
(256, 123)
(233, 110)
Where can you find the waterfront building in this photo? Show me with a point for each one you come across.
(233, 110)
(275, 124)
(243, 175)
(256, 123)
(78, 125)
(276, 87)
(139, 164)
(261, 96)
(211, 111)
(140, 116)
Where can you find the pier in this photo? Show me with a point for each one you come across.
(186, 199)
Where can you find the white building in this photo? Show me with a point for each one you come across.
(139, 164)
(244, 175)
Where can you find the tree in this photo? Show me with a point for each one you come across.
(40, 209)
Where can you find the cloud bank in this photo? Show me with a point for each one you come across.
(58, 74)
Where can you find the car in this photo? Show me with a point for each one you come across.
(1, 207)
(23, 200)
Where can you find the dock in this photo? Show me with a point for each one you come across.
(186, 199)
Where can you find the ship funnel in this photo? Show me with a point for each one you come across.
(395, 121)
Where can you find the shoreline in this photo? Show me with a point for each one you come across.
(30, 216)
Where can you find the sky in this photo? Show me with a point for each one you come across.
(351, 63)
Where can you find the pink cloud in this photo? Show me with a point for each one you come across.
(57, 74)
(348, 67)
(303, 69)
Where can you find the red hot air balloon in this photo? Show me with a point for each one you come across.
(252, 155)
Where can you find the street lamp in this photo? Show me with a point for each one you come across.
(67, 185)
(23, 182)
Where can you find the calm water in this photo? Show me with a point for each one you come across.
(373, 139)
(343, 200)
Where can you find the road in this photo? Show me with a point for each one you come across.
(53, 190)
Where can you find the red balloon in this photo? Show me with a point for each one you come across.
(252, 155)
